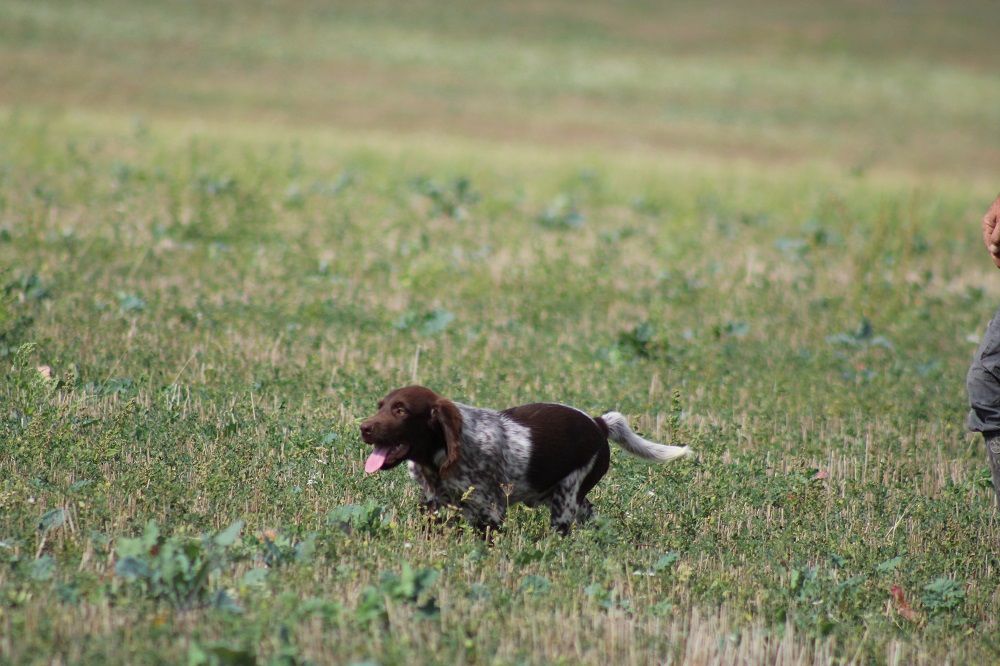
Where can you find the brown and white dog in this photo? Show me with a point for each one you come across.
(482, 460)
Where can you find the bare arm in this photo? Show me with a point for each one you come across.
(991, 231)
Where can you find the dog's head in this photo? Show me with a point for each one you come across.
(413, 423)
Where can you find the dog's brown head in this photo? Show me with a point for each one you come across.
(412, 423)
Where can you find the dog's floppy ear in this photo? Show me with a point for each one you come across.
(446, 414)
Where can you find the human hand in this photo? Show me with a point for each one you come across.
(991, 231)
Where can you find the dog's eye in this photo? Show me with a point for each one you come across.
(399, 410)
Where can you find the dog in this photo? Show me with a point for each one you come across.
(482, 460)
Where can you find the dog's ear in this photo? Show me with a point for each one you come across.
(446, 414)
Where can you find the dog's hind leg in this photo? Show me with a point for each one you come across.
(568, 503)
(597, 471)
(563, 504)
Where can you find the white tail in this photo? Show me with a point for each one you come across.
(621, 434)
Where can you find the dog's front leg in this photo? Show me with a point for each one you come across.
(486, 514)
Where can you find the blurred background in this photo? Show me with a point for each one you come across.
(907, 86)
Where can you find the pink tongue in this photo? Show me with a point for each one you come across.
(376, 459)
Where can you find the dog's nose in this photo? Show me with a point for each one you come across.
(366, 430)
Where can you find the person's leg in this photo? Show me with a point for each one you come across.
(983, 384)
(993, 452)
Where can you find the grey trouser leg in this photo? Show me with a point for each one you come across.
(993, 453)
(983, 384)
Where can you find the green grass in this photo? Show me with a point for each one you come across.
(225, 232)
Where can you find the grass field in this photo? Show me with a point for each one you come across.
(227, 229)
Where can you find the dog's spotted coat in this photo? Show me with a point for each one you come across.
(483, 460)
